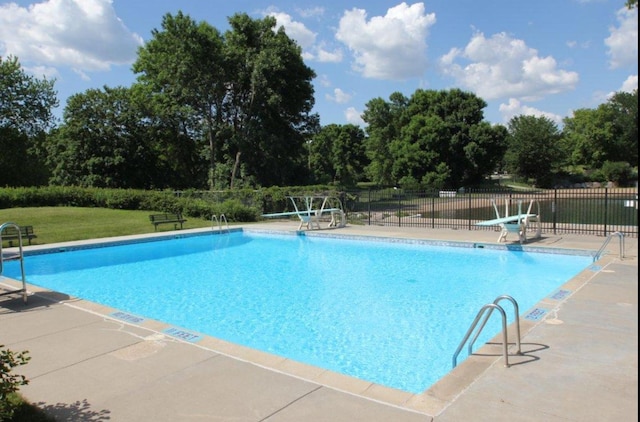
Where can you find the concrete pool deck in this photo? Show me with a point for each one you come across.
(579, 361)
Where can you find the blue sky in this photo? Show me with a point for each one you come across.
(543, 57)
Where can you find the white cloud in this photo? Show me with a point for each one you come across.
(353, 116)
(516, 108)
(324, 81)
(503, 67)
(42, 71)
(325, 56)
(306, 38)
(391, 47)
(623, 41)
(339, 96)
(311, 12)
(630, 84)
(295, 30)
(85, 35)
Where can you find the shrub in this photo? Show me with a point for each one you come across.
(619, 172)
(10, 383)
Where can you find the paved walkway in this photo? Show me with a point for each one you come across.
(579, 362)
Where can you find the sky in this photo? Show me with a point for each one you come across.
(542, 57)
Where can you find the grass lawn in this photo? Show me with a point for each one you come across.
(62, 224)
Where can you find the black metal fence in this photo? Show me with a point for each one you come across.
(599, 211)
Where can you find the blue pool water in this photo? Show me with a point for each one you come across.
(392, 313)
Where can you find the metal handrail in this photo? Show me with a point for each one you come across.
(606, 242)
(19, 255)
(473, 326)
(486, 318)
(219, 221)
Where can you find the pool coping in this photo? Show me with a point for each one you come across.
(431, 402)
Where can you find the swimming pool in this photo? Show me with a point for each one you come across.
(387, 311)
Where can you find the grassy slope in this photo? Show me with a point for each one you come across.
(61, 224)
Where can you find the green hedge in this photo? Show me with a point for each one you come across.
(243, 205)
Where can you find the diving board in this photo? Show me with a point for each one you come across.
(311, 208)
(505, 220)
(518, 223)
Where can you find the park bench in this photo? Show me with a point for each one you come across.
(167, 218)
(10, 233)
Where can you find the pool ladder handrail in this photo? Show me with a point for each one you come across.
(214, 218)
(606, 242)
(12, 257)
(486, 311)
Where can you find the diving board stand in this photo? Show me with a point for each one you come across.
(519, 223)
(311, 208)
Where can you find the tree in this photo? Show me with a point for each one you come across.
(247, 92)
(25, 117)
(337, 155)
(607, 133)
(624, 109)
(534, 149)
(184, 64)
(384, 121)
(269, 102)
(25, 102)
(433, 139)
(101, 143)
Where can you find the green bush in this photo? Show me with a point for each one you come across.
(619, 172)
(234, 210)
(10, 383)
(239, 205)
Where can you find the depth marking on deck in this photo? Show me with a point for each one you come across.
(536, 314)
(560, 294)
(183, 334)
(127, 317)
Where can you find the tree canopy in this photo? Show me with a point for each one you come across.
(534, 149)
(26, 105)
(248, 91)
(606, 133)
(234, 109)
(434, 139)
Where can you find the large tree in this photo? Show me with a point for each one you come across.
(434, 139)
(248, 91)
(102, 142)
(534, 150)
(607, 133)
(337, 155)
(184, 66)
(26, 105)
(384, 121)
(270, 98)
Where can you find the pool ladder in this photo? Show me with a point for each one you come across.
(486, 311)
(13, 256)
(606, 242)
(215, 219)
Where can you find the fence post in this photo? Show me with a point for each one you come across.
(399, 207)
(553, 210)
(369, 207)
(606, 209)
(433, 211)
(468, 192)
